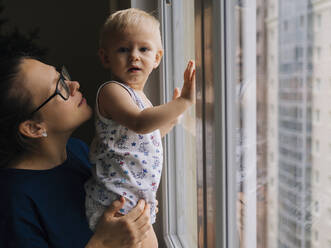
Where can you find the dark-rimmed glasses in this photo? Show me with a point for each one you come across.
(62, 89)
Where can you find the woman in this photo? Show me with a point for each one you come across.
(42, 171)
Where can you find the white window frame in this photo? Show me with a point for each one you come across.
(169, 13)
(216, 167)
(216, 162)
(249, 122)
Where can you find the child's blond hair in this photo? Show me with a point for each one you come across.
(120, 20)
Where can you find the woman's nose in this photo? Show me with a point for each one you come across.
(74, 86)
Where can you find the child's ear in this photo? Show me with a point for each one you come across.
(103, 57)
(158, 58)
(31, 129)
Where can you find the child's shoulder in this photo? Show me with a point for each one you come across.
(114, 99)
(114, 87)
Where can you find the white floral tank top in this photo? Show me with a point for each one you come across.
(125, 163)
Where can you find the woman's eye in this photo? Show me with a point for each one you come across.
(62, 85)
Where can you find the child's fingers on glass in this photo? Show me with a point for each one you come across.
(186, 74)
(193, 75)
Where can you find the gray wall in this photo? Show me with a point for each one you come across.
(70, 30)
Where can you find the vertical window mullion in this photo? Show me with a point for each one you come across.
(216, 124)
(229, 119)
(169, 175)
(177, 171)
(249, 121)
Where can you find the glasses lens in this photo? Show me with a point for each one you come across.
(63, 88)
(65, 73)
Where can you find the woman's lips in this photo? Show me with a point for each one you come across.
(83, 101)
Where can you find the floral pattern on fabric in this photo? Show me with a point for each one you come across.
(125, 164)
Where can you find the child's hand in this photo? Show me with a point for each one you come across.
(174, 97)
(176, 94)
(188, 90)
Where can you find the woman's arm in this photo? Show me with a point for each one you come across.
(126, 231)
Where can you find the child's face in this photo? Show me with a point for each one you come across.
(131, 55)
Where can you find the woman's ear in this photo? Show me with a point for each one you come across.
(103, 57)
(32, 129)
(158, 57)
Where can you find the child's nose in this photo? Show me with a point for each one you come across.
(134, 55)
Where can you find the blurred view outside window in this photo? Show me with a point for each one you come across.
(291, 172)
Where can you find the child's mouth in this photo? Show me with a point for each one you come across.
(134, 69)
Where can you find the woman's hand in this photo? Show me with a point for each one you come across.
(126, 231)
(157, 206)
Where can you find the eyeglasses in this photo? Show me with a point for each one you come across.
(62, 89)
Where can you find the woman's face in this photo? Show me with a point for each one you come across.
(59, 115)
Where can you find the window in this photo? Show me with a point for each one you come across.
(179, 184)
(317, 115)
(317, 177)
(318, 53)
(302, 20)
(299, 75)
(317, 146)
(285, 25)
(248, 154)
(316, 207)
(318, 84)
(319, 20)
(316, 235)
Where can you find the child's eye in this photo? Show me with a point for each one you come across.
(123, 50)
(144, 49)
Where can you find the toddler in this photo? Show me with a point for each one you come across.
(126, 152)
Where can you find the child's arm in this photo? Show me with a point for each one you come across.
(116, 103)
(167, 128)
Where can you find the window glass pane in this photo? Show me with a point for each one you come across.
(185, 132)
(284, 88)
(181, 168)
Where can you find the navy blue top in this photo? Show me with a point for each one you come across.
(45, 208)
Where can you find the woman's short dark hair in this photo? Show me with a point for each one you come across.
(15, 107)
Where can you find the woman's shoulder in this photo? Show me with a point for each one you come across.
(79, 149)
(77, 146)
